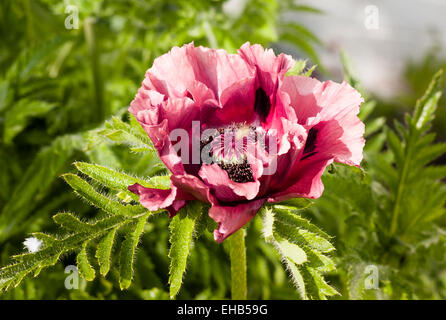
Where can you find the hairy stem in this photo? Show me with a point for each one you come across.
(237, 254)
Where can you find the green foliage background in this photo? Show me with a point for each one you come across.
(59, 86)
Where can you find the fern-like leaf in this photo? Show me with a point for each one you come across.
(302, 246)
(103, 251)
(182, 229)
(128, 252)
(80, 235)
(412, 151)
(120, 132)
(83, 265)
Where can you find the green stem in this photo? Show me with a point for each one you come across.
(400, 189)
(237, 254)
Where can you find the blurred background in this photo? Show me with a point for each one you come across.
(66, 66)
(395, 46)
(382, 38)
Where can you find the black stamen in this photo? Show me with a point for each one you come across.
(238, 172)
(262, 104)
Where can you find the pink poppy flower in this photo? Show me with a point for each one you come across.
(285, 130)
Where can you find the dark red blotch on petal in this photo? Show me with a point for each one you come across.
(262, 105)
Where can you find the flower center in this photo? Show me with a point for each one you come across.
(238, 172)
(229, 148)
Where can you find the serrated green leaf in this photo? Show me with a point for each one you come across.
(316, 242)
(299, 248)
(435, 172)
(103, 251)
(127, 197)
(127, 254)
(123, 133)
(181, 228)
(327, 263)
(322, 287)
(310, 71)
(298, 279)
(118, 180)
(45, 238)
(268, 219)
(48, 255)
(296, 203)
(423, 141)
(426, 105)
(83, 265)
(109, 177)
(292, 251)
(85, 190)
(430, 154)
(71, 223)
(267, 215)
(297, 68)
(287, 216)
